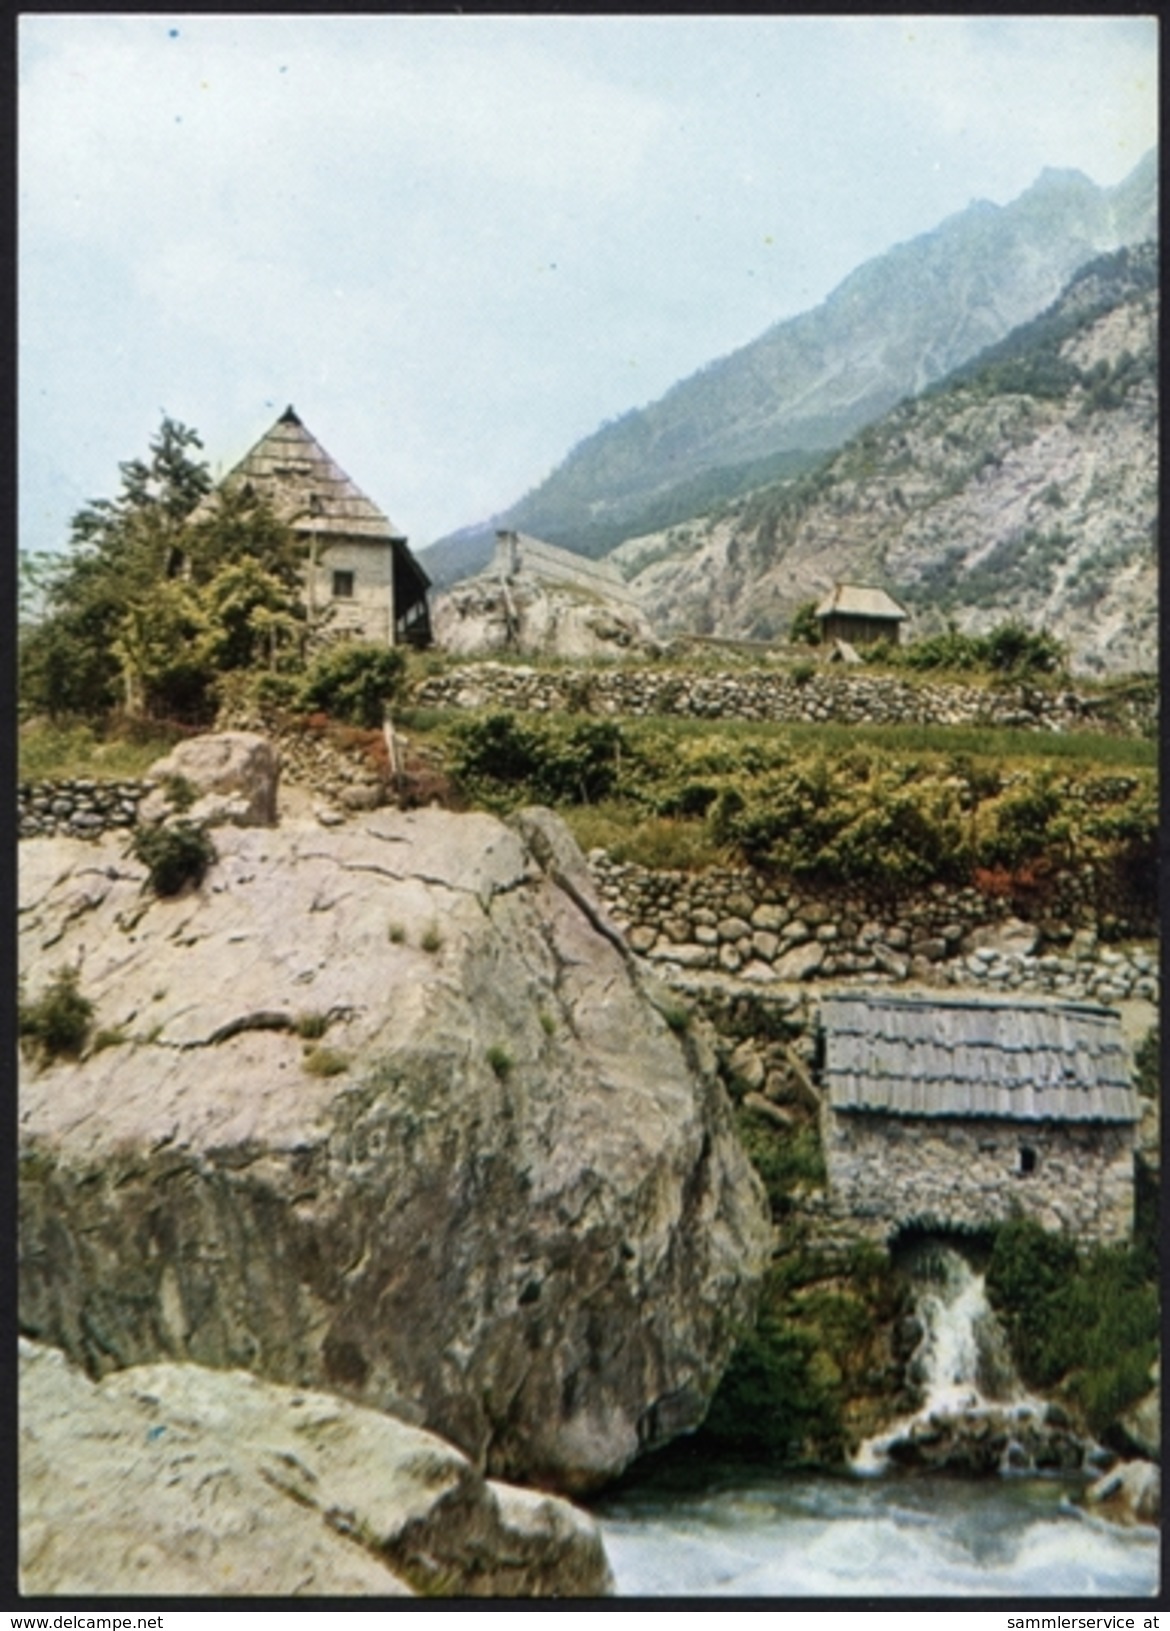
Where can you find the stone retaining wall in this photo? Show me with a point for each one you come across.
(738, 922)
(779, 695)
(77, 808)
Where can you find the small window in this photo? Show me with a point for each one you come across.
(1027, 1160)
(343, 586)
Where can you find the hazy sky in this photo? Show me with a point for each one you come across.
(458, 243)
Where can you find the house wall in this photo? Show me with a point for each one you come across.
(888, 1171)
(860, 631)
(370, 614)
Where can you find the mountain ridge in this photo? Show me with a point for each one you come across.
(1023, 487)
(896, 323)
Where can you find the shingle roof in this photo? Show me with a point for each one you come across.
(1027, 1059)
(856, 600)
(306, 488)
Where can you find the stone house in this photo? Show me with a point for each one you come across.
(361, 580)
(957, 1112)
(859, 616)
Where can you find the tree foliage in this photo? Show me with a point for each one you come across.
(148, 608)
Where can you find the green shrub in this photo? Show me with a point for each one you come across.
(325, 1062)
(57, 1024)
(1087, 1320)
(353, 682)
(805, 628)
(311, 1026)
(431, 940)
(500, 1061)
(174, 856)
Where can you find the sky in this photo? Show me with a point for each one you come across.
(458, 244)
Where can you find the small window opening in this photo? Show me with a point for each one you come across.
(1027, 1160)
(343, 586)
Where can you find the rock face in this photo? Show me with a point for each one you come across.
(499, 1197)
(214, 1483)
(1131, 1493)
(484, 616)
(234, 775)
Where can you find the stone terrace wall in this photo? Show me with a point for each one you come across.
(77, 808)
(776, 695)
(738, 922)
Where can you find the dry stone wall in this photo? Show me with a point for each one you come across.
(77, 807)
(739, 923)
(779, 695)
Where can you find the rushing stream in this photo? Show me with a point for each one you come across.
(689, 1528)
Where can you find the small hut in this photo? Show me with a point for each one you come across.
(859, 616)
(357, 564)
(962, 1112)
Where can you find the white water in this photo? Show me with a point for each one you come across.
(800, 1536)
(733, 1531)
(962, 1361)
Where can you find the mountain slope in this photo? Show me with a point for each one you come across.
(899, 322)
(1023, 487)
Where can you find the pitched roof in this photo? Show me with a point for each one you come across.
(1024, 1059)
(856, 600)
(307, 489)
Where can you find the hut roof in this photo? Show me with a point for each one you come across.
(1026, 1059)
(307, 489)
(855, 600)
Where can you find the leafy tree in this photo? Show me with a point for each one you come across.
(805, 628)
(149, 609)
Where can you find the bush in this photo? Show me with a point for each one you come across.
(353, 682)
(173, 856)
(1086, 1320)
(58, 1023)
(548, 762)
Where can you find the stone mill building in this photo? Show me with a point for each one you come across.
(960, 1112)
(361, 580)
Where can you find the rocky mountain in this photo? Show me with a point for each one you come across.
(1024, 487)
(898, 323)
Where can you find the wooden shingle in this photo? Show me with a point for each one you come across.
(948, 1056)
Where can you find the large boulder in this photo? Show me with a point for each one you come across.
(484, 616)
(232, 776)
(212, 1483)
(388, 1110)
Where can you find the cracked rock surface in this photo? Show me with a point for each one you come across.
(386, 1110)
(177, 1480)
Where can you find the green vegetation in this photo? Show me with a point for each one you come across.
(353, 682)
(500, 1061)
(58, 1022)
(878, 804)
(126, 749)
(149, 609)
(1082, 1321)
(325, 1061)
(311, 1026)
(432, 940)
(174, 856)
(795, 1382)
(549, 762)
(1011, 651)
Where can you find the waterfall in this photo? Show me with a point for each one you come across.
(976, 1415)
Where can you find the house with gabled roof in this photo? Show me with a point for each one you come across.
(958, 1112)
(361, 580)
(859, 616)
